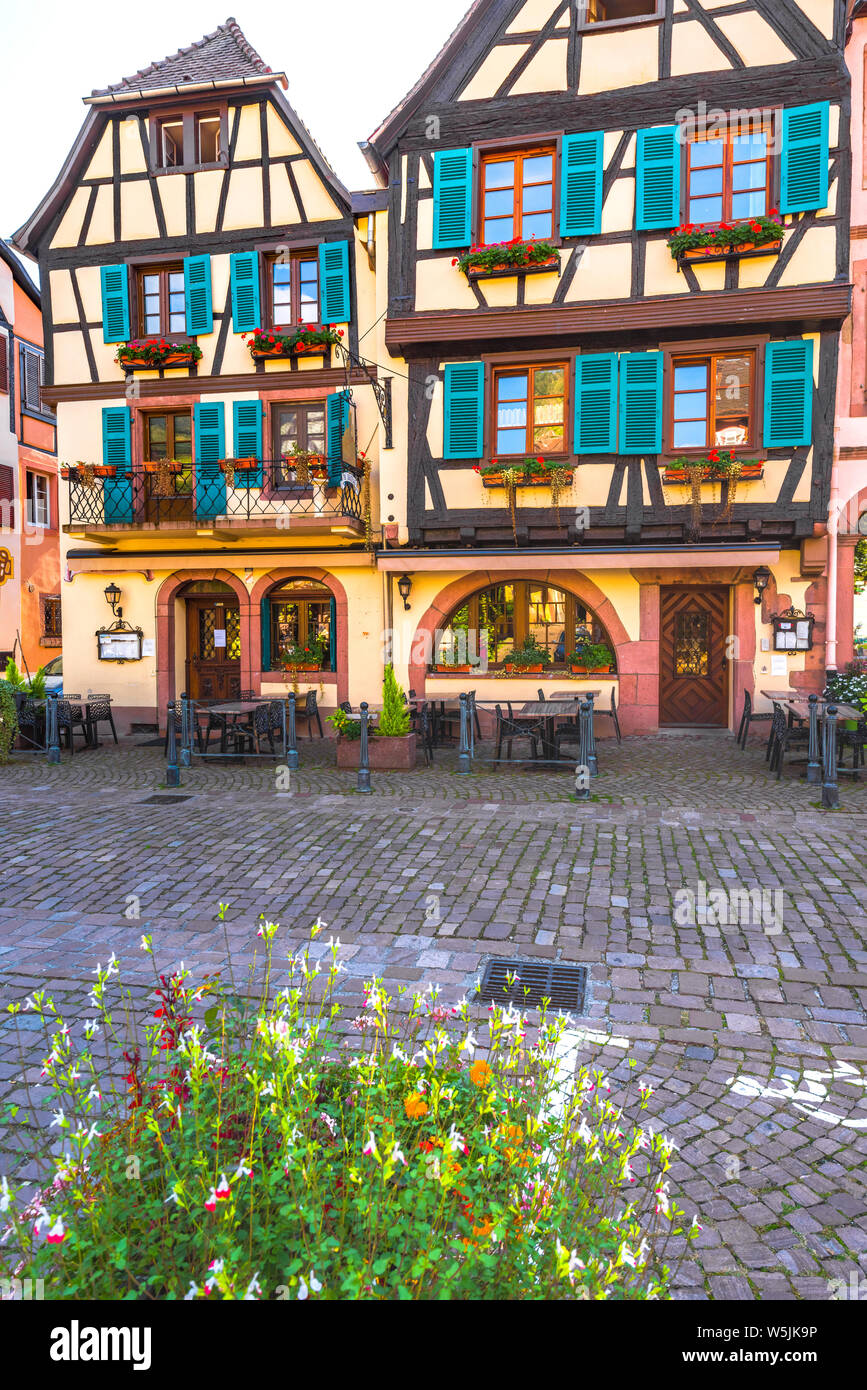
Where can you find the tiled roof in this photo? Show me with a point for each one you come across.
(218, 57)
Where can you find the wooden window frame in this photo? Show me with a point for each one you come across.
(160, 268)
(772, 115)
(51, 603)
(522, 589)
(495, 154)
(168, 413)
(728, 347)
(303, 406)
(590, 26)
(500, 367)
(295, 256)
(189, 115)
(301, 597)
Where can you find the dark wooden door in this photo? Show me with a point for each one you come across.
(694, 672)
(213, 649)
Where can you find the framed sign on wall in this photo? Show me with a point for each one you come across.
(793, 631)
(120, 642)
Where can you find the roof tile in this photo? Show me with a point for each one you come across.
(218, 57)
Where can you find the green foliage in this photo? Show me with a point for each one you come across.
(525, 470)
(516, 252)
(35, 686)
(394, 720)
(304, 656)
(281, 1149)
(719, 463)
(8, 719)
(861, 567)
(152, 352)
(529, 654)
(594, 655)
(14, 676)
(850, 686)
(344, 724)
(755, 231)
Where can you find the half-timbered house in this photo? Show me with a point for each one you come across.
(618, 265)
(205, 279)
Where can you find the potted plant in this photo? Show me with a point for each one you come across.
(85, 473)
(157, 352)
(309, 658)
(392, 747)
(849, 687)
(528, 472)
(718, 465)
(508, 258)
(306, 338)
(698, 241)
(529, 658)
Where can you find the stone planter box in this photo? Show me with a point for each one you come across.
(386, 754)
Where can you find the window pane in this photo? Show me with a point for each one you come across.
(157, 438)
(548, 412)
(691, 405)
(690, 434)
(288, 430)
(499, 203)
(316, 431)
(511, 441)
(704, 152)
(705, 181)
(511, 414)
(733, 401)
(749, 176)
(500, 230)
(176, 282)
(510, 388)
(753, 146)
(209, 141)
(690, 377)
(749, 204)
(706, 210)
(539, 169)
(501, 174)
(183, 427)
(549, 439)
(538, 198)
(151, 284)
(309, 280)
(538, 226)
(549, 382)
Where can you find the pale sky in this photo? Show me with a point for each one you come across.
(348, 63)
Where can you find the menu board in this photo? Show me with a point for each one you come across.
(119, 646)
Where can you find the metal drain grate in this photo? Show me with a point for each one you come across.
(164, 800)
(527, 983)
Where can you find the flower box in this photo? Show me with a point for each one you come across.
(750, 472)
(392, 754)
(443, 670)
(98, 470)
(512, 669)
(168, 467)
(534, 480)
(519, 268)
(315, 342)
(515, 257)
(303, 666)
(153, 356)
(728, 253)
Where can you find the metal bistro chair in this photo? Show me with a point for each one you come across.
(99, 712)
(784, 737)
(610, 714)
(267, 720)
(69, 718)
(426, 731)
(748, 718)
(856, 739)
(311, 712)
(508, 730)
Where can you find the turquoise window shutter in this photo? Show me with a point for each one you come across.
(804, 159)
(266, 634)
(334, 281)
(197, 287)
(640, 402)
(117, 450)
(657, 179)
(247, 433)
(464, 424)
(789, 393)
(453, 198)
(210, 448)
(114, 282)
(581, 184)
(596, 403)
(246, 314)
(337, 418)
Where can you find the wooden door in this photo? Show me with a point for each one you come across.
(694, 672)
(213, 648)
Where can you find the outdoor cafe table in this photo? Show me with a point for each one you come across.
(231, 710)
(549, 711)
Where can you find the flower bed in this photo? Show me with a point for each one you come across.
(288, 1149)
(312, 341)
(508, 258)
(699, 241)
(157, 352)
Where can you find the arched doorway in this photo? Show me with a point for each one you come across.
(213, 640)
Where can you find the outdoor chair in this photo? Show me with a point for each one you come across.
(541, 695)
(311, 712)
(784, 738)
(509, 731)
(99, 712)
(426, 730)
(248, 695)
(748, 718)
(610, 714)
(856, 739)
(345, 706)
(69, 718)
(31, 723)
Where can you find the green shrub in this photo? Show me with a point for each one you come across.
(8, 719)
(344, 724)
(14, 676)
(529, 654)
(394, 720)
(253, 1152)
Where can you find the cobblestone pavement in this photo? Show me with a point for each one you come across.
(754, 1037)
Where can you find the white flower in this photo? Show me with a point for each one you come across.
(314, 1283)
(192, 1292)
(91, 1028)
(59, 1120)
(241, 1172)
(397, 1155)
(456, 1140)
(370, 1147)
(469, 1043)
(303, 1291)
(253, 1288)
(693, 1230)
(5, 1194)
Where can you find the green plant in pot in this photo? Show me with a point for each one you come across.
(529, 657)
(344, 725)
(394, 720)
(8, 719)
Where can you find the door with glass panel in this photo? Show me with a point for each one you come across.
(213, 647)
(694, 670)
(168, 448)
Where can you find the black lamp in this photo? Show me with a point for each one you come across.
(761, 579)
(404, 588)
(112, 596)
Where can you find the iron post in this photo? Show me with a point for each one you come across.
(364, 754)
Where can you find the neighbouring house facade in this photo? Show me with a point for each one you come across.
(612, 424)
(30, 618)
(613, 430)
(204, 275)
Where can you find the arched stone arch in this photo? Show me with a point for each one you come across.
(269, 581)
(166, 635)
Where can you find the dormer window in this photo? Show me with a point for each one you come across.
(208, 138)
(171, 143)
(189, 139)
(621, 11)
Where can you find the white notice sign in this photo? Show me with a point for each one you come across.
(779, 666)
(219, 637)
(149, 647)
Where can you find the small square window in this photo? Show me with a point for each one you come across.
(171, 144)
(208, 147)
(38, 512)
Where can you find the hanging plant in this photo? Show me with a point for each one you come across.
(695, 472)
(228, 467)
(511, 477)
(86, 474)
(365, 505)
(560, 480)
(733, 479)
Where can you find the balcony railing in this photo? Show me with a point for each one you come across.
(228, 494)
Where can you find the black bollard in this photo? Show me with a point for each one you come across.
(364, 754)
(814, 765)
(52, 731)
(292, 755)
(186, 759)
(173, 774)
(592, 760)
(830, 789)
(464, 762)
(582, 781)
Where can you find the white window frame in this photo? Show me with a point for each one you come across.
(38, 500)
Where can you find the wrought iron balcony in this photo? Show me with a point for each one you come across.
(231, 495)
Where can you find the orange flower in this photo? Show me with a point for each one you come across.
(415, 1107)
(480, 1073)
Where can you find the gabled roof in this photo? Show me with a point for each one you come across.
(383, 138)
(223, 56)
(19, 274)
